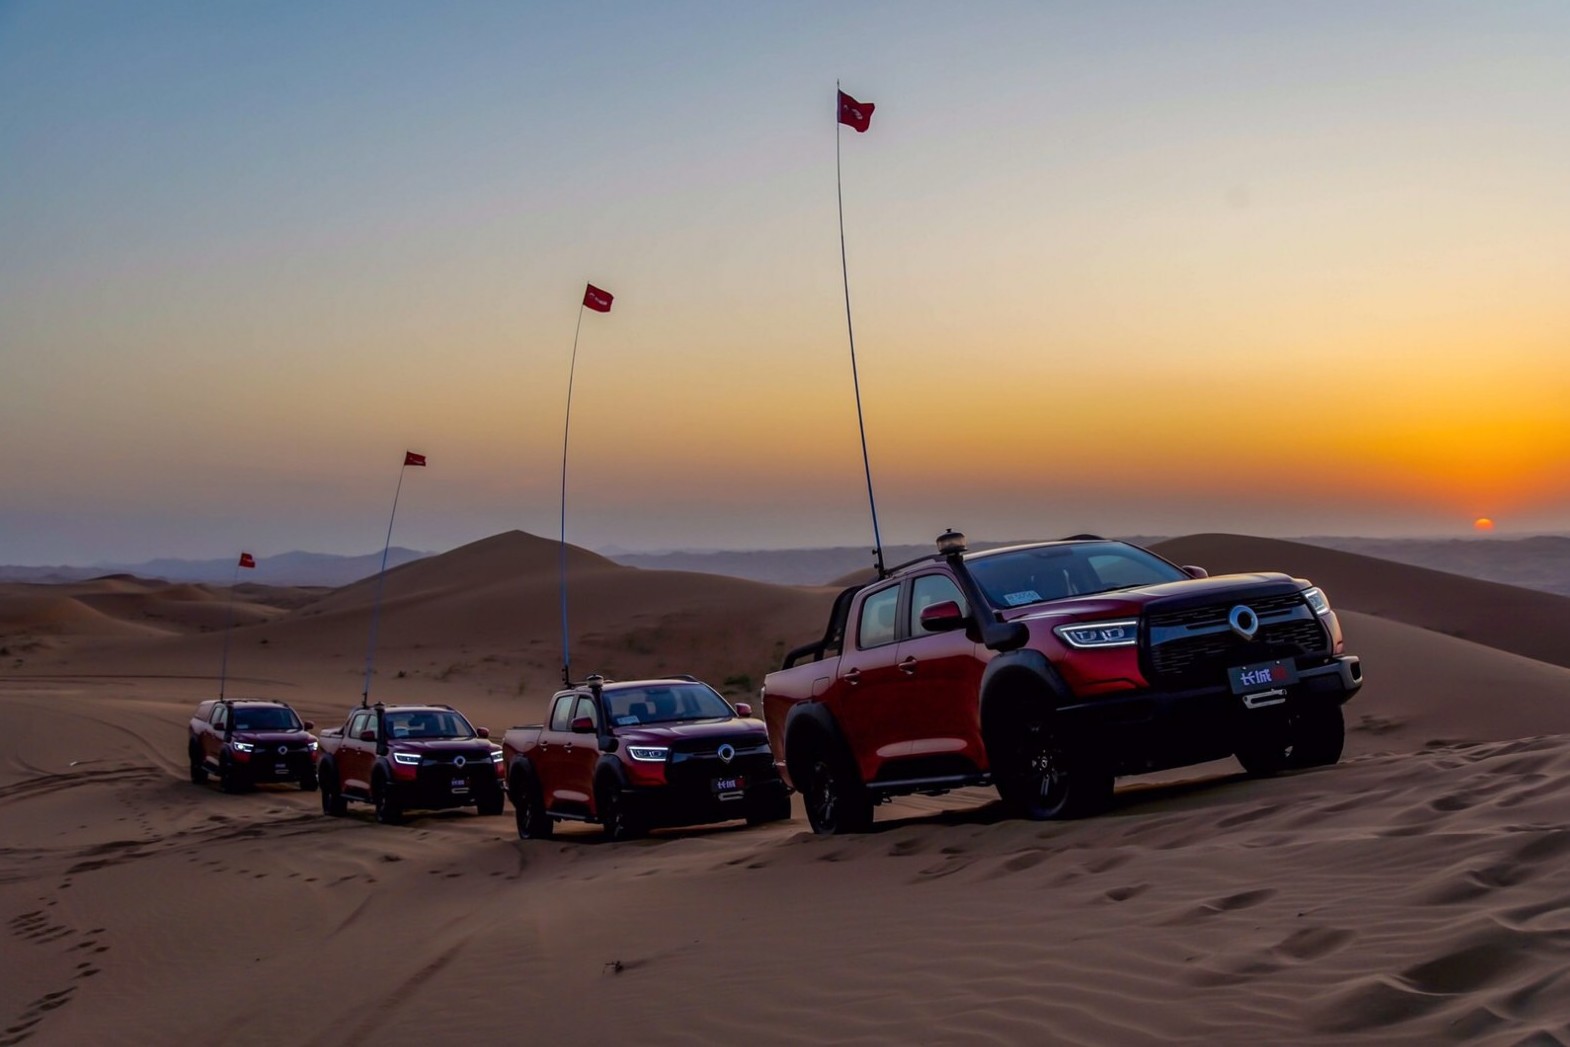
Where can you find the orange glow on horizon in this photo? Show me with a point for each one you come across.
(1483, 524)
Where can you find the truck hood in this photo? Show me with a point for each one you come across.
(697, 729)
(1131, 602)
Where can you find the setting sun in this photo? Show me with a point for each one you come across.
(1482, 523)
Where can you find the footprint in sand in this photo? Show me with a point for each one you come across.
(1123, 894)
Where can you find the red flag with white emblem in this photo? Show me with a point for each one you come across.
(247, 560)
(410, 458)
(855, 114)
(598, 300)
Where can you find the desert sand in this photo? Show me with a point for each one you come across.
(1417, 893)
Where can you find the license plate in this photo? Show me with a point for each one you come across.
(282, 768)
(729, 785)
(1262, 676)
(460, 785)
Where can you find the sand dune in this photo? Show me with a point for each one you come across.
(1417, 893)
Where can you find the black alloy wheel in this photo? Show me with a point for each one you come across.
(229, 775)
(835, 799)
(619, 820)
(1041, 779)
(528, 805)
(309, 781)
(1318, 736)
(333, 803)
(388, 810)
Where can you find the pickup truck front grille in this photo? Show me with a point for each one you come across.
(1194, 647)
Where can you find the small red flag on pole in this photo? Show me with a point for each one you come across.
(247, 560)
(598, 300)
(410, 458)
(855, 114)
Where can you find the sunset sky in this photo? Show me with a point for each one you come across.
(1142, 268)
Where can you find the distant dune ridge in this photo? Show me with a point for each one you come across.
(1417, 893)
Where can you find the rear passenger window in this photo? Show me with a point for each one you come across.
(877, 618)
(586, 708)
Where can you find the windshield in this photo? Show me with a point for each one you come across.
(265, 718)
(666, 703)
(427, 723)
(1051, 572)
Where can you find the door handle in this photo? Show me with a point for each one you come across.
(567, 748)
(908, 666)
(853, 676)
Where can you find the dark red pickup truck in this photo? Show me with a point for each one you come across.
(1047, 670)
(404, 757)
(639, 754)
(247, 741)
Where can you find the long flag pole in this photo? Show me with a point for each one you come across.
(246, 560)
(409, 458)
(600, 302)
(860, 122)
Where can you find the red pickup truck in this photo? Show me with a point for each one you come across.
(641, 753)
(403, 757)
(246, 741)
(1049, 669)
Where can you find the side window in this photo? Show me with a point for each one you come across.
(931, 589)
(877, 618)
(561, 716)
(356, 725)
(371, 725)
(220, 717)
(586, 708)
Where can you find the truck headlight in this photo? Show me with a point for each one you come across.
(407, 759)
(312, 746)
(243, 747)
(1122, 633)
(648, 753)
(496, 756)
(1317, 600)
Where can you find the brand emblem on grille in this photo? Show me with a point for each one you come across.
(1244, 621)
(727, 752)
(458, 761)
(282, 749)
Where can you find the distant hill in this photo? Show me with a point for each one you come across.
(1539, 562)
(285, 569)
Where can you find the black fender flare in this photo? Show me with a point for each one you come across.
(383, 770)
(608, 771)
(804, 720)
(326, 766)
(1011, 675)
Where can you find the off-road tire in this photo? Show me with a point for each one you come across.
(333, 803)
(1041, 775)
(198, 765)
(529, 807)
(489, 804)
(388, 810)
(229, 777)
(775, 809)
(832, 791)
(1318, 736)
(309, 782)
(1267, 752)
(616, 815)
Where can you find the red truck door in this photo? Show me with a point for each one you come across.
(554, 758)
(941, 676)
(868, 705)
(213, 737)
(355, 757)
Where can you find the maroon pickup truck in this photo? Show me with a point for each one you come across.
(404, 757)
(247, 741)
(1049, 669)
(639, 754)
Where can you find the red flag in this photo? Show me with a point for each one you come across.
(247, 560)
(855, 114)
(598, 300)
(410, 458)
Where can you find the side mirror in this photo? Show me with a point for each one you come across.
(942, 617)
(483, 732)
(367, 736)
(310, 725)
(743, 710)
(1196, 572)
(582, 725)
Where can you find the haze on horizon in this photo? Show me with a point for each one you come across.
(1141, 268)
